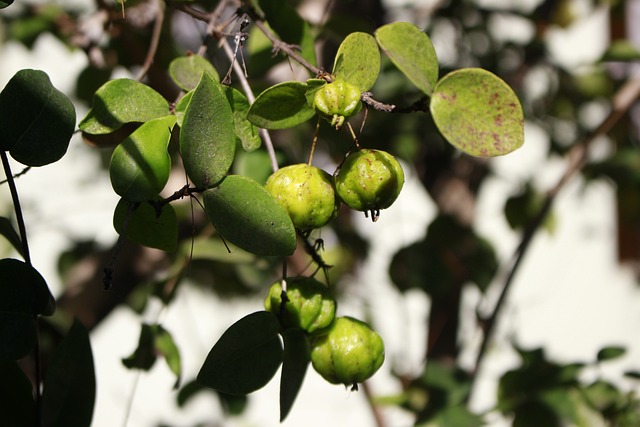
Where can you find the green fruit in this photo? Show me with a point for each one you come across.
(309, 304)
(369, 180)
(306, 193)
(349, 353)
(338, 100)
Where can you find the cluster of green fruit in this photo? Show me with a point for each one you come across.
(343, 350)
(368, 180)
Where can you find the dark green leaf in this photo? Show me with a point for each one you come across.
(166, 346)
(207, 136)
(621, 50)
(140, 166)
(215, 249)
(144, 226)
(24, 289)
(610, 353)
(602, 396)
(248, 216)
(144, 356)
(358, 61)
(294, 367)
(186, 71)
(246, 356)
(478, 113)
(9, 233)
(37, 120)
(522, 208)
(255, 165)
(411, 50)
(246, 132)
(281, 106)
(70, 384)
(534, 413)
(18, 407)
(5, 3)
(632, 374)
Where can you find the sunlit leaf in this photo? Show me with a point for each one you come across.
(358, 61)
(207, 136)
(478, 113)
(245, 214)
(281, 106)
(166, 346)
(294, 367)
(145, 226)
(246, 356)
(186, 71)
(411, 50)
(37, 120)
(181, 107)
(246, 132)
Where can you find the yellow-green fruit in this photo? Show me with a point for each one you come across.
(349, 353)
(337, 100)
(307, 194)
(369, 180)
(309, 306)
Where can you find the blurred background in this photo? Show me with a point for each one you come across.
(560, 347)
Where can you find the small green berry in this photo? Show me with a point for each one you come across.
(337, 100)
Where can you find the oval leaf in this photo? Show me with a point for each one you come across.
(248, 216)
(122, 101)
(281, 106)
(358, 61)
(37, 120)
(610, 353)
(246, 132)
(294, 367)
(411, 50)
(207, 138)
(140, 166)
(144, 226)
(246, 356)
(186, 71)
(478, 113)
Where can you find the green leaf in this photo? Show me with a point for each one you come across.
(246, 132)
(411, 50)
(23, 289)
(358, 61)
(246, 356)
(166, 346)
(9, 233)
(610, 353)
(18, 407)
(215, 249)
(248, 216)
(255, 165)
(621, 51)
(478, 113)
(144, 226)
(181, 107)
(70, 384)
(522, 208)
(37, 120)
(294, 367)
(123, 101)
(207, 138)
(186, 71)
(141, 164)
(281, 106)
(5, 3)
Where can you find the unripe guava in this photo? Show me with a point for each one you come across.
(337, 100)
(307, 194)
(349, 353)
(309, 305)
(369, 180)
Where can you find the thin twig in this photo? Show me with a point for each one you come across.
(155, 39)
(17, 175)
(377, 415)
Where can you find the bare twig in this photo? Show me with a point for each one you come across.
(155, 38)
(375, 411)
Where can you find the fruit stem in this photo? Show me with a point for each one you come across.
(315, 141)
(353, 135)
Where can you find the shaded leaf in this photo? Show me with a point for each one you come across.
(144, 356)
(5, 3)
(358, 61)
(411, 50)
(294, 367)
(281, 106)
(181, 107)
(9, 233)
(478, 113)
(166, 346)
(37, 120)
(18, 407)
(246, 356)
(141, 164)
(70, 384)
(24, 289)
(632, 374)
(246, 132)
(610, 353)
(521, 209)
(122, 101)
(144, 226)
(186, 71)
(207, 137)
(248, 216)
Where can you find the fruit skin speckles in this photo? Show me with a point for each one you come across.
(337, 100)
(307, 194)
(369, 180)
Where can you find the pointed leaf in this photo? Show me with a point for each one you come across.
(411, 50)
(248, 216)
(144, 356)
(186, 71)
(281, 106)
(166, 346)
(358, 61)
(246, 356)
(610, 353)
(207, 137)
(9, 233)
(140, 166)
(18, 407)
(246, 132)
(37, 120)
(122, 101)
(294, 367)
(478, 113)
(70, 385)
(144, 226)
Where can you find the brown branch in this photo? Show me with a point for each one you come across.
(155, 39)
(375, 410)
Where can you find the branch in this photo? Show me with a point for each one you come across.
(155, 39)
